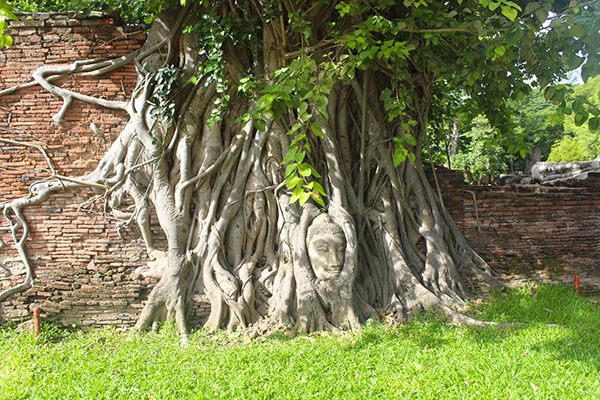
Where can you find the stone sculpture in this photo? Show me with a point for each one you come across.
(563, 173)
(326, 244)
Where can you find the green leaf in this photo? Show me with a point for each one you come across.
(6, 41)
(493, 5)
(523, 153)
(303, 107)
(289, 156)
(291, 167)
(509, 13)
(314, 172)
(580, 118)
(318, 199)
(343, 9)
(574, 61)
(294, 128)
(317, 130)
(399, 156)
(296, 194)
(304, 117)
(297, 138)
(531, 7)
(541, 14)
(578, 105)
(319, 188)
(409, 139)
(591, 67)
(299, 156)
(5, 13)
(499, 51)
(514, 35)
(260, 124)
(304, 197)
(265, 102)
(304, 169)
(293, 181)
(594, 124)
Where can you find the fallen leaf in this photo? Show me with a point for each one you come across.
(533, 387)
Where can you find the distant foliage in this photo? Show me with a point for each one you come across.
(5, 15)
(133, 12)
(480, 158)
(493, 153)
(533, 115)
(582, 139)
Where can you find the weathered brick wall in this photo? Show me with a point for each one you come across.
(530, 231)
(85, 267)
(26, 115)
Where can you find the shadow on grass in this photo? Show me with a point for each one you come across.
(574, 317)
(549, 319)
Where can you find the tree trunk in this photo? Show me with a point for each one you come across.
(215, 181)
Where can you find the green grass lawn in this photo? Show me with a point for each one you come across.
(554, 354)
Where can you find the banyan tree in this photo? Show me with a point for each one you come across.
(279, 144)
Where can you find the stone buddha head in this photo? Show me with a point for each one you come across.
(326, 245)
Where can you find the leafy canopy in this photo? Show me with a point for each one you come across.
(490, 52)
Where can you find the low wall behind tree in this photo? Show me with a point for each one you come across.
(530, 232)
(85, 264)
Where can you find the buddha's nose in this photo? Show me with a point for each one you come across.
(336, 260)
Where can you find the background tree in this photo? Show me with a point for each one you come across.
(251, 118)
(479, 158)
(481, 151)
(452, 111)
(582, 140)
(534, 115)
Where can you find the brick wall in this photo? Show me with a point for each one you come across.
(85, 267)
(531, 232)
(26, 115)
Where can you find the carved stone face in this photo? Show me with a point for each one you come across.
(326, 248)
(326, 254)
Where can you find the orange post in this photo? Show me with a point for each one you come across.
(576, 282)
(36, 321)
